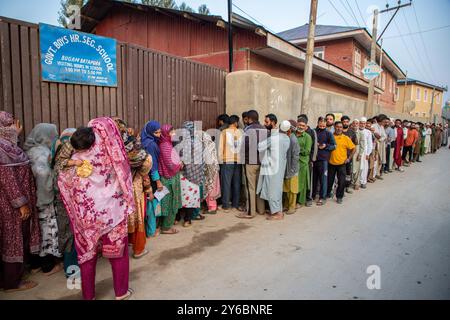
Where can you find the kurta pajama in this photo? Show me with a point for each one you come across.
(304, 176)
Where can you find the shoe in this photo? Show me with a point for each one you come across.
(290, 212)
(363, 186)
(309, 203)
(419, 161)
(348, 191)
(339, 201)
(379, 177)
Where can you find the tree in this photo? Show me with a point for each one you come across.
(203, 9)
(65, 13)
(185, 7)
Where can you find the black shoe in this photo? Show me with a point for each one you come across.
(348, 191)
(339, 201)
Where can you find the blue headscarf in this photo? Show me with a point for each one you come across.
(150, 143)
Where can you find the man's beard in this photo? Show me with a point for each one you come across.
(346, 127)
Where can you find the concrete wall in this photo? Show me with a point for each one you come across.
(257, 90)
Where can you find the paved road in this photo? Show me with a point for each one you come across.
(400, 224)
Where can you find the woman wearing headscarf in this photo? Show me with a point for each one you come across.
(140, 164)
(99, 198)
(62, 152)
(169, 170)
(38, 148)
(212, 180)
(150, 136)
(193, 174)
(19, 221)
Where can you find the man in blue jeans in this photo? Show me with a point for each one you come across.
(231, 168)
(325, 144)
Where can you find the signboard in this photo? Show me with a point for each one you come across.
(74, 57)
(372, 71)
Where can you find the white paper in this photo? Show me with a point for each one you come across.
(159, 195)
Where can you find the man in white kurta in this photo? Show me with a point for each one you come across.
(273, 167)
(367, 135)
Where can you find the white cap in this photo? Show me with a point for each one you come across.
(285, 126)
(363, 119)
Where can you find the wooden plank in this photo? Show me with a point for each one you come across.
(113, 102)
(100, 108)
(45, 102)
(141, 104)
(54, 112)
(92, 103)
(62, 106)
(78, 106)
(146, 89)
(71, 121)
(26, 79)
(16, 73)
(107, 101)
(35, 76)
(6, 78)
(85, 105)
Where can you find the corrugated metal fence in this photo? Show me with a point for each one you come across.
(151, 85)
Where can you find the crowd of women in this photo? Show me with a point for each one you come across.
(102, 189)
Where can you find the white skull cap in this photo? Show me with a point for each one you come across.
(363, 119)
(285, 126)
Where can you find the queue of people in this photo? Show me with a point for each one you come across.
(107, 189)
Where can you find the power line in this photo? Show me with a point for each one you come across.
(423, 42)
(353, 13)
(254, 19)
(422, 64)
(348, 11)
(360, 13)
(413, 33)
(408, 51)
(339, 13)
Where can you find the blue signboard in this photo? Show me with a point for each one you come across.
(75, 57)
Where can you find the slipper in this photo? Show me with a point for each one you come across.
(24, 285)
(200, 218)
(171, 231)
(275, 217)
(59, 267)
(130, 292)
(34, 271)
(139, 256)
(244, 216)
(187, 224)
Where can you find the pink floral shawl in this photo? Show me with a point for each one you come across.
(100, 204)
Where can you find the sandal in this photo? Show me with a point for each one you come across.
(200, 217)
(130, 292)
(56, 269)
(171, 231)
(139, 256)
(187, 224)
(24, 285)
(320, 203)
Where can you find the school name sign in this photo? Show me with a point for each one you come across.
(74, 57)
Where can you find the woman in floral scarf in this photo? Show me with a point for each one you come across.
(19, 219)
(99, 202)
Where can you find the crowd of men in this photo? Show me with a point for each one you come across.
(289, 165)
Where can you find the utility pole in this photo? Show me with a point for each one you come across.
(373, 58)
(369, 110)
(432, 104)
(230, 35)
(307, 77)
(404, 92)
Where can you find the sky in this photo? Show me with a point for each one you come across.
(425, 56)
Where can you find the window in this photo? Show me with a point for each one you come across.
(319, 52)
(425, 95)
(396, 94)
(383, 81)
(438, 98)
(418, 94)
(357, 66)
